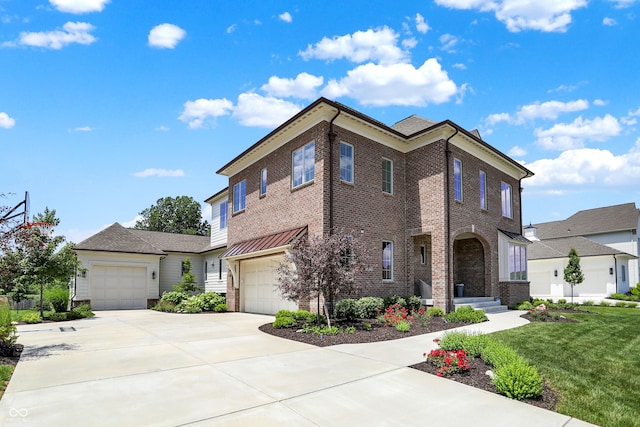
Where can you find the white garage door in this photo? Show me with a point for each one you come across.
(258, 280)
(115, 288)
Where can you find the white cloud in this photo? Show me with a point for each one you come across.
(409, 43)
(599, 102)
(566, 136)
(197, 113)
(71, 32)
(372, 45)
(459, 66)
(259, 111)
(6, 121)
(448, 42)
(79, 6)
(396, 84)
(166, 36)
(549, 110)
(608, 22)
(631, 118)
(131, 223)
(83, 129)
(231, 28)
(304, 86)
(587, 166)
(622, 4)
(492, 119)
(421, 25)
(159, 172)
(517, 151)
(518, 15)
(162, 128)
(285, 17)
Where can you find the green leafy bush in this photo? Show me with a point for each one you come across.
(206, 301)
(284, 319)
(466, 314)
(83, 307)
(497, 354)
(413, 303)
(305, 316)
(369, 307)
(74, 315)
(57, 297)
(31, 317)
(562, 301)
(8, 331)
(621, 304)
(435, 312)
(394, 299)
(220, 308)
(517, 380)
(525, 305)
(5, 372)
(346, 309)
(635, 290)
(475, 344)
(57, 317)
(165, 306)
(174, 297)
(453, 340)
(588, 303)
(321, 330)
(605, 304)
(403, 326)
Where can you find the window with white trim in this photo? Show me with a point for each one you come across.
(457, 179)
(263, 182)
(387, 261)
(423, 254)
(346, 162)
(507, 202)
(224, 214)
(483, 190)
(303, 165)
(239, 196)
(387, 176)
(517, 262)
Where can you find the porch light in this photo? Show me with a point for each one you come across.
(153, 275)
(555, 273)
(611, 271)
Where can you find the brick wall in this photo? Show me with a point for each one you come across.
(512, 293)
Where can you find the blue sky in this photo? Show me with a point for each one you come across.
(108, 105)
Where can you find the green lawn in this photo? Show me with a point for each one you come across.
(593, 364)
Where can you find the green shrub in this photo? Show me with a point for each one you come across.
(31, 317)
(5, 372)
(220, 308)
(284, 313)
(635, 290)
(57, 297)
(57, 316)
(605, 304)
(83, 307)
(305, 316)
(165, 306)
(621, 304)
(453, 340)
(413, 303)
(322, 330)
(369, 307)
(435, 312)
(74, 315)
(466, 314)
(588, 303)
(403, 326)
(475, 344)
(562, 301)
(618, 295)
(518, 381)
(394, 299)
(346, 309)
(8, 331)
(284, 319)
(525, 305)
(206, 301)
(192, 305)
(174, 297)
(497, 354)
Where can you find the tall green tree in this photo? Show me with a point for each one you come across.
(573, 273)
(180, 215)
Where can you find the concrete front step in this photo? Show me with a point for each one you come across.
(488, 304)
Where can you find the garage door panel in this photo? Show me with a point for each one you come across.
(259, 287)
(114, 287)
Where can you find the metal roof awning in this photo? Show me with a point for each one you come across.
(272, 243)
(515, 236)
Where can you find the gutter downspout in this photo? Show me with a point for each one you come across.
(332, 137)
(448, 205)
(615, 270)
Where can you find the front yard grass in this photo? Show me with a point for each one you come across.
(593, 364)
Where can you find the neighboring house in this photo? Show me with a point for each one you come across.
(607, 242)
(129, 269)
(433, 203)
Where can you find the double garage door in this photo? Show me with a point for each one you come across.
(258, 287)
(117, 288)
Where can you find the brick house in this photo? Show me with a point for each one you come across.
(434, 203)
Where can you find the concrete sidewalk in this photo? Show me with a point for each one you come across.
(132, 368)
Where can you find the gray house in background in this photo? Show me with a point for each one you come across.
(607, 242)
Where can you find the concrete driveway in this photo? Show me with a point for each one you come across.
(133, 368)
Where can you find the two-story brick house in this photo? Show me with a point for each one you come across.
(432, 201)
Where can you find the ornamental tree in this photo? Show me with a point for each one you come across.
(324, 267)
(180, 215)
(573, 273)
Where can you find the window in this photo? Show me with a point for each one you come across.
(387, 260)
(303, 164)
(263, 182)
(457, 179)
(387, 176)
(346, 163)
(423, 254)
(483, 190)
(623, 271)
(205, 270)
(220, 269)
(517, 262)
(239, 196)
(224, 214)
(507, 206)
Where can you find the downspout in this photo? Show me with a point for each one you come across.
(332, 137)
(448, 205)
(615, 270)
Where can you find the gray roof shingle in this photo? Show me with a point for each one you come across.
(559, 248)
(412, 124)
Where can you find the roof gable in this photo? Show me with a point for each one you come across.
(173, 242)
(116, 238)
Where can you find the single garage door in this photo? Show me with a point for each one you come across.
(258, 287)
(116, 288)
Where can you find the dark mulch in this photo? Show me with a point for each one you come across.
(477, 377)
(551, 318)
(377, 333)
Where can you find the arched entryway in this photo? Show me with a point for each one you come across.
(469, 265)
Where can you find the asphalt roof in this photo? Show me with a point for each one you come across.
(117, 238)
(592, 221)
(412, 124)
(559, 248)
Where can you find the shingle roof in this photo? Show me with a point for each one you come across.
(271, 241)
(117, 238)
(412, 124)
(592, 221)
(559, 248)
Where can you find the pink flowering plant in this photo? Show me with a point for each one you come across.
(395, 314)
(449, 362)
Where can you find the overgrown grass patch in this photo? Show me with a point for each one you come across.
(593, 363)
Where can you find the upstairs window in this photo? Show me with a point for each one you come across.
(346, 162)
(387, 261)
(224, 214)
(507, 202)
(387, 176)
(239, 196)
(483, 190)
(263, 182)
(303, 160)
(457, 179)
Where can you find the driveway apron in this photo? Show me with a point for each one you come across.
(133, 368)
